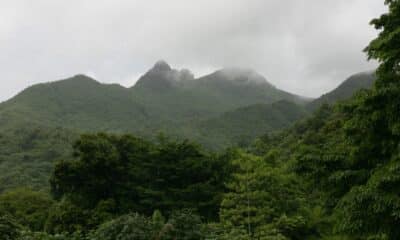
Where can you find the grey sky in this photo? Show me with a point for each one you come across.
(306, 47)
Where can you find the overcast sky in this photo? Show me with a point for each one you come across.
(305, 47)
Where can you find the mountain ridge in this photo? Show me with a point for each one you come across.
(361, 80)
(163, 97)
(78, 100)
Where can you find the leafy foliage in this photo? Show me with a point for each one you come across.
(133, 226)
(135, 175)
(183, 225)
(266, 201)
(30, 208)
(67, 217)
(9, 229)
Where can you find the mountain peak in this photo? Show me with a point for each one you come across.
(161, 66)
(243, 75)
(81, 77)
(162, 76)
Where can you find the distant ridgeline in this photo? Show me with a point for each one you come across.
(229, 107)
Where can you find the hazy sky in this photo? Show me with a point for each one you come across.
(306, 47)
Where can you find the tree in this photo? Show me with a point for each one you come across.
(158, 220)
(112, 175)
(181, 175)
(9, 229)
(183, 224)
(259, 195)
(67, 217)
(127, 227)
(30, 208)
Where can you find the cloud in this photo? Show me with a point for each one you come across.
(306, 47)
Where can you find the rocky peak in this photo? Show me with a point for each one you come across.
(161, 66)
(243, 76)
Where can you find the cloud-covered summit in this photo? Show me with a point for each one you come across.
(161, 75)
(161, 66)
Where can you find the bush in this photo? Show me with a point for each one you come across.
(66, 217)
(183, 225)
(9, 229)
(30, 208)
(127, 227)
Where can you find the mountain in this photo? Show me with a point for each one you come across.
(78, 102)
(177, 96)
(38, 126)
(240, 87)
(162, 77)
(345, 90)
(163, 98)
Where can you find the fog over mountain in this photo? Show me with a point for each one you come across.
(304, 48)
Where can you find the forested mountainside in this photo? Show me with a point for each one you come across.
(244, 124)
(162, 99)
(363, 80)
(28, 154)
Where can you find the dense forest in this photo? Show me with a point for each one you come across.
(333, 175)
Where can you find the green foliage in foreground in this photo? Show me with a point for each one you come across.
(261, 194)
(28, 207)
(112, 175)
(182, 225)
(117, 174)
(9, 229)
(28, 154)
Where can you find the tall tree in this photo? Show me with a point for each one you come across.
(259, 196)
(28, 207)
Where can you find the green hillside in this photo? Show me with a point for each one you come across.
(28, 154)
(78, 102)
(244, 124)
(345, 90)
(162, 99)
